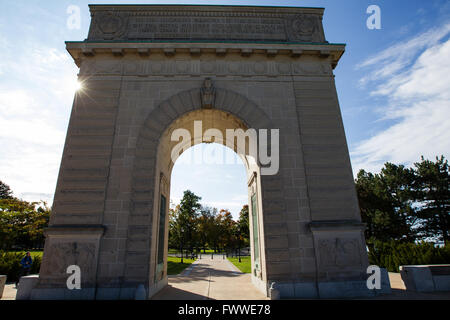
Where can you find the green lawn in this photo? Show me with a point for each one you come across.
(173, 251)
(173, 263)
(207, 251)
(175, 267)
(33, 253)
(245, 265)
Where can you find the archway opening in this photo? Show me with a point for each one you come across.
(207, 143)
(209, 201)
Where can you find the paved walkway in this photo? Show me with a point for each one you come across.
(9, 293)
(206, 278)
(220, 279)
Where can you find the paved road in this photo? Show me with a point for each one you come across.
(207, 278)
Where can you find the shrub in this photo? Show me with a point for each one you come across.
(10, 264)
(391, 255)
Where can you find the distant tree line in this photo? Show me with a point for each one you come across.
(399, 205)
(22, 223)
(406, 204)
(193, 227)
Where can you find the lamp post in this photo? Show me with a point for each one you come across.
(239, 242)
(181, 243)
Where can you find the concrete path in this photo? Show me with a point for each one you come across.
(9, 293)
(207, 278)
(220, 279)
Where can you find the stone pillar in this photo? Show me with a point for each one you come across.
(77, 222)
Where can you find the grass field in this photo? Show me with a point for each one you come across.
(174, 251)
(33, 253)
(175, 267)
(245, 265)
(173, 263)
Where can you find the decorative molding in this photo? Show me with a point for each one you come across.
(337, 252)
(109, 25)
(64, 254)
(77, 230)
(304, 27)
(81, 51)
(164, 184)
(338, 244)
(330, 225)
(141, 68)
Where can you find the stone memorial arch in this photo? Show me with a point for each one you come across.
(148, 70)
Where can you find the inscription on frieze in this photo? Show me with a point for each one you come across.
(219, 28)
(154, 25)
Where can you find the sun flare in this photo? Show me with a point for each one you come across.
(74, 85)
(77, 86)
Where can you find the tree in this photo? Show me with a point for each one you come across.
(187, 217)
(406, 204)
(398, 182)
(227, 230)
(386, 203)
(433, 194)
(22, 223)
(174, 230)
(5, 191)
(194, 226)
(206, 222)
(244, 225)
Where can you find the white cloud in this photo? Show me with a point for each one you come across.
(36, 93)
(417, 102)
(395, 58)
(233, 206)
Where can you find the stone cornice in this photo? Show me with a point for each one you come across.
(81, 50)
(205, 10)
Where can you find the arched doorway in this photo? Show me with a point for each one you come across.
(216, 228)
(197, 125)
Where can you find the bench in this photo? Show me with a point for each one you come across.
(2, 284)
(426, 278)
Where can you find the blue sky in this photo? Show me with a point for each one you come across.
(393, 86)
